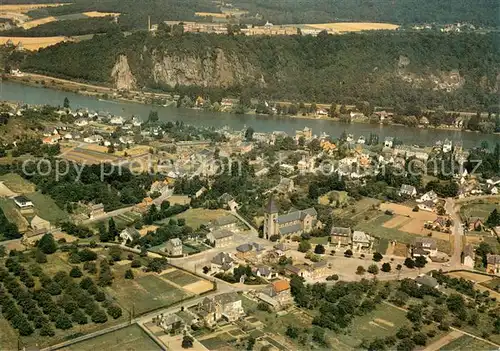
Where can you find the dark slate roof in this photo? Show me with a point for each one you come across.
(340, 231)
(271, 206)
(290, 229)
(469, 250)
(225, 220)
(296, 215)
(222, 258)
(427, 280)
(244, 248)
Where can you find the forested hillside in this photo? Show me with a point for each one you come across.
(384, 68)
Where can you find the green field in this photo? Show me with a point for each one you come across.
(197, 216)
(10, 210)
(146, 294)
(17, 184)
(180, 277)
(124, 220)
(466, 342)
(131, 338)
(477, 209)
(46, 208)
(323, 240)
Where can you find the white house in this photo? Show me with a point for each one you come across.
(429, 196)
(93, 139)
(468, 257)
(129, 234)
(426, 206)
(136, 122)
(81, 122)
(408, 190)
(117, 120)
(22, 201)
(447, 145)
(174, 247)
(389, 142)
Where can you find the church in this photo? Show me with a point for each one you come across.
(294, 222)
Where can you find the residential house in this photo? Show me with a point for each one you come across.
(476, 224)
(228, 222)
(162, 187)
(424, 247)
(96, 210)
(427, 280)
(447, 146)
(22, 202)
(319, 270)
(264, 272)
(306, 165)
(301, 270)
(389, 142)
(244, 251)
(93, 139)
(469, 256)
(200, 192)
(118, 120)
(429, 196)
(81, 122)
(226, 307)
(408, 190)
(222, 262)
(277, 294)
(169, 323)
(129, 234)
(127, 139)
(340, 236)
(174, 247)
(426, 206)
(220, 238)
(291, 223)
(51, 140)
(361, 241)
(493, 181)
(493, 263)
(306, 133)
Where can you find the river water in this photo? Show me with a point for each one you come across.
(39, 95)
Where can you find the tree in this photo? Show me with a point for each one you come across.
(404, 332)
(3, 252)
(360, 270)
(63, 322)
(135, 263)
(153, 117)
(66, 102)
(46, 330)
(373, 269)
(348, 253)
(377, 257)
(493, 219)
(409, 263)
(99, 316)
(115, 311)
(420, 262)
(115, 253)
(187, 342)
(319, 249)
(304, 246)
(79, 317)
(112, 230)
(53, 289)
(386, 267)
(40, 257)
(75, 272)
(47, 244)
(292, 332)
(249, 134)
(129, 274)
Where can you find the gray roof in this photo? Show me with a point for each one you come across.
(428, 243)
(340, 231)
(134, 233)
(296, 215)
(222, 233)
(227, 298)
(405, 188)
(427, 280)
(271, 206)
(290, 229)
(222, 258)
(264, 270)
(176, 242)
(171, 319)
(493, 259)
(244, 248)
(469, 250)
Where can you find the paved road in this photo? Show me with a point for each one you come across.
(458, 232)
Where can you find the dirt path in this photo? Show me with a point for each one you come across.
(445, 340)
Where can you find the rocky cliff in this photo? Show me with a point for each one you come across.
(122, 75)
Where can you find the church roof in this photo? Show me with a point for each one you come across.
(271, 206)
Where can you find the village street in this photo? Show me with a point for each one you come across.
(458, 232)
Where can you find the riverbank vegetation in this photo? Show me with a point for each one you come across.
(383, 69)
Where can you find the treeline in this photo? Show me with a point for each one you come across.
(67, 28)
(8, 230)
(343, 69)
(480, 12)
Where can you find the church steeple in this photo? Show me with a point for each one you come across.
(270, 217)
(272, 206)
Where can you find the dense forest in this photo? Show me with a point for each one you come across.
(479, 12)
(384, 68)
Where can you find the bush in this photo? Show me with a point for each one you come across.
(100, 296)
(129, 274)
(377, 257)
(386, 267)
(40, 257)
(75, 272)
(262, 306)
(135, 263)
(415, 209)
(99, 316)
(319, 249)
(348, 253)
(115, 311)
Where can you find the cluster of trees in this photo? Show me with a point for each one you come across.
(173, 229)
(483, 160)
(239, 272)
(346, 60)
(34, 147)
(8, 230)
(165, 211)
(493, 219)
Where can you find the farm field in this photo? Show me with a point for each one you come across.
(17, 184)
(74, 16)
(351, 26)
(478, 209)
(33, 43)
(88, 156)
(146, 293)
(131, 338)
(466, 342)
(180, 277)
(46, 208)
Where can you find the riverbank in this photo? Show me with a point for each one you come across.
(149, 98)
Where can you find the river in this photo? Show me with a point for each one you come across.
(39, 95)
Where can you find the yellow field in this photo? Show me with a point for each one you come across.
(210, 14)
(38, 22)
(353, 26)
(26, 7)
(33, 43)
(100, 14)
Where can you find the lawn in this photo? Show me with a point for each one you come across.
(466, 342)
(477, 209)
(323, 240)
(197, 216)
(46, 208)
(124, 220)
(180, 277)
(146, 293)
(17, 184)
(131, 338)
